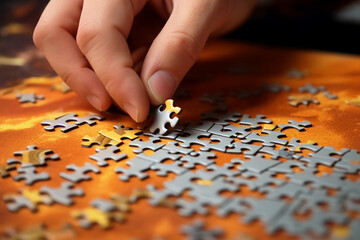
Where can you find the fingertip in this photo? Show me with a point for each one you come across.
(161, 86)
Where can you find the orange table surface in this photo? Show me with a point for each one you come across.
(223, 67)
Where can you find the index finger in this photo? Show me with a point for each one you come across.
(102, 33)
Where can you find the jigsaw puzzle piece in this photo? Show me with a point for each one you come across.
(350, 162)
(89, 216)
(63, 194)
(27, 199)
(218, 143)
(300, 126)
(144, 145)
(191, 137)
(30, 176)
(270, 139)
(254, 122)
(137, 168)
(239, 147)
(174, 148)
(324, 156)
(221, 118)
(202, 158)
(4, 170)
(196, 230)
(79, 172)
(110, 153)
(256, 164)
(164, 117)
(164, 169)
(61, 121)
(29, 97)
(33, 157)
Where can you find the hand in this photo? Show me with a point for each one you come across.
(103, 52)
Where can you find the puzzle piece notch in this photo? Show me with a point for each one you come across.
(256, 164)
(63, 121)
(30, 176)
(29, 97)
(33, 156)
(63, 194)
(324, 156)
(202, 158)
(103, 155)
(163, 169)
(164, 117)
(297, 146)
(350, 162)
(79, 172)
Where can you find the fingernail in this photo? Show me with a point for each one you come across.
(94, 101)
(162, 85)
(131, 110)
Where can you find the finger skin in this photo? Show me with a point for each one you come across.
(101, 37)
(54, 36)
(176, 48)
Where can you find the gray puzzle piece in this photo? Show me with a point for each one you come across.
(254, 122)
(61, 121)
(157, 196)
(256, 164)
(202, 158)
(16, 202)
(286, 167)
(30, 176)
(63, 194)
(324, 156)
(168, 135)
(230, 131)
(79, 174)
(106, 154)
(313, 200)
(137, 167)
(256, 180)
(214, 171)
(265, 210)
(161, 119)
(159, 156)
(270, 139)
(300, 126)
(29, 97)
(104, 205)
(350, 162)
(329, 95)
(89, 119)
(144, 145)
(311, 89)
(196, 231)
(275, 154)
(231, 205)
(221, 144)
(333, 180)
(238, 147)
(295, 143)
(354, 230)
(191, 136)
(174, 148)
(221, 118)
(181, 182)
(164, 169)
(288, 189)
(189, 208)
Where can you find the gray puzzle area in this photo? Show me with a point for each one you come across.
(63, 121)
(63, 194)
(30, 175)
(29, 97)
(79, 172)
(197, 231)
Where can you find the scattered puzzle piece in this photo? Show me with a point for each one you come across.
(63, 121)
(63, 194)
(33, 156)
(79, 172)
(298, 100)
(163, 117)
(28, 199)
(29, 97)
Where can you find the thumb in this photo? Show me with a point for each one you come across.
(175, 49)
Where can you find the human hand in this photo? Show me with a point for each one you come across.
(114, 51)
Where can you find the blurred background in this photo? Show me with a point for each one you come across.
(326, 25)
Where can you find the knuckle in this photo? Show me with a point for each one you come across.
(86, 37)
(40, 33)
(185, 43)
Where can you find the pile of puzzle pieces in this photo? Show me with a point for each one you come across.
(263, 152)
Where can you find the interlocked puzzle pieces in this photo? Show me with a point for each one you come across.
(63, 121)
